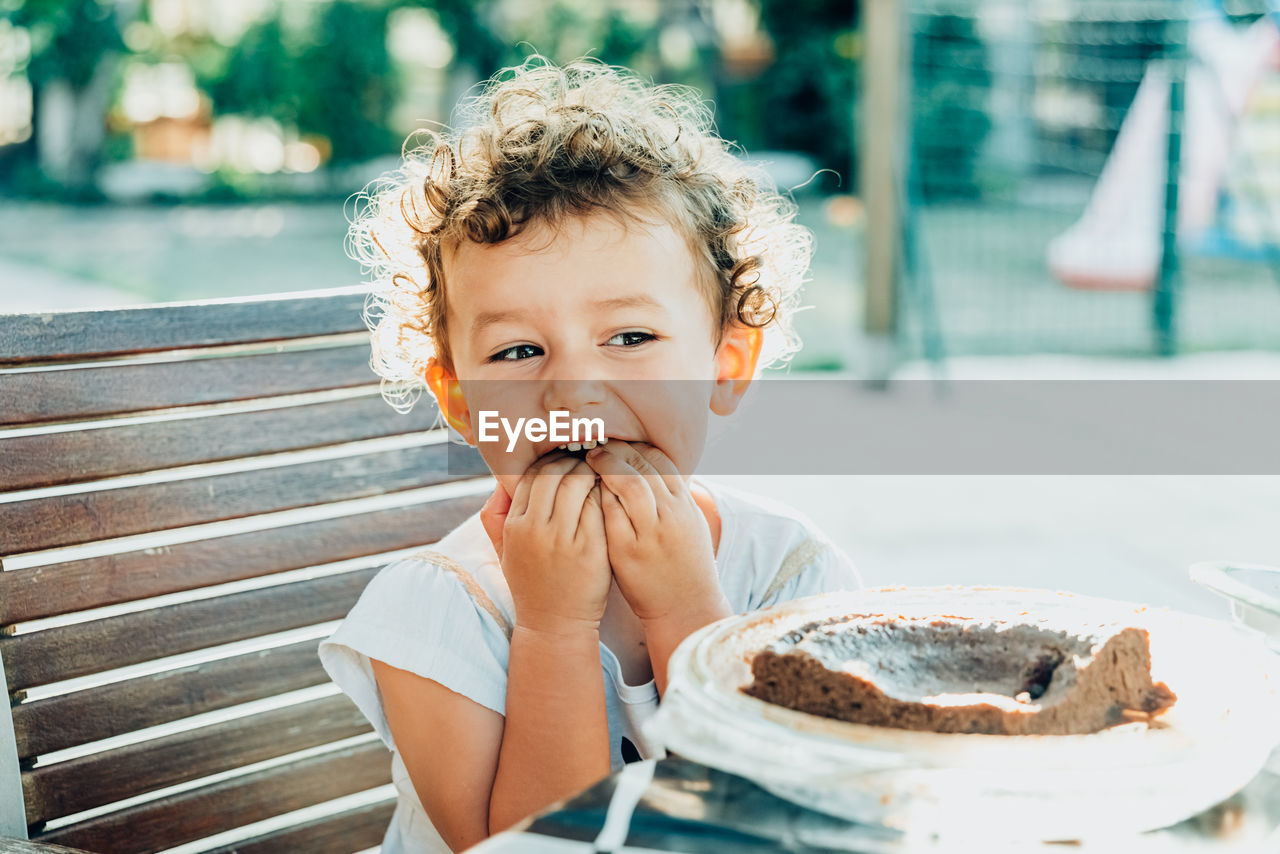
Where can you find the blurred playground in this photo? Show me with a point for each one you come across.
(983, 177)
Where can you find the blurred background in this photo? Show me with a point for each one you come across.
(983, 176)
(1084, 188)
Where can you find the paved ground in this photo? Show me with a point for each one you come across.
(140, 253)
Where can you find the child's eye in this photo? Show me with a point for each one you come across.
(516, 353)
(631, 339)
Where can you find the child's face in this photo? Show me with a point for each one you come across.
(599, 318)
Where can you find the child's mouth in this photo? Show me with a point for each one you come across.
(578, 449)
(575, 449)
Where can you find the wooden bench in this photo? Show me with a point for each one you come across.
(190, 496)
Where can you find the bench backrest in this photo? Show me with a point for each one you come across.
(190, 496)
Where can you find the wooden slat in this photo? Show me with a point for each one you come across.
(75, 785)
(71, 393)
(351, 830)
(203, 812)
(27, 462)
(62, 520)
(67, 720)
(39, 658)
(45, 591)
(76, 334)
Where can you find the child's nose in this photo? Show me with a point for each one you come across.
(573, 395)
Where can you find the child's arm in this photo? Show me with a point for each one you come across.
(550, 539)
(555, 740)
(663, 634)
(450, 747)
(474, 771)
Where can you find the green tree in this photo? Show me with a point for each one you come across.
(73, 71)
(260, 76)
(474, 42)
(331, 76)
(349, 86)
(806, 97)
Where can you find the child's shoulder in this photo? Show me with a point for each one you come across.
(770, 551)
(467, 546)
(429, 613)
(759, 512)
(463, 558)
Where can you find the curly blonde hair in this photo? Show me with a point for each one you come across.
(542, 143)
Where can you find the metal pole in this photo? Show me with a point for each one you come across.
(1164, 304)
(880, 142)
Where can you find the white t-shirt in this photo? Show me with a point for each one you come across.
(447, 615)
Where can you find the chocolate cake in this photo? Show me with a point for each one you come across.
(951, 674)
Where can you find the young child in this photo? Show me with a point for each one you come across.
(585, 244)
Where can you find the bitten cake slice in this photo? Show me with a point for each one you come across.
(951, 674)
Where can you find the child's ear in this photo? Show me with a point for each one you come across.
(448, 392)
(735, 366)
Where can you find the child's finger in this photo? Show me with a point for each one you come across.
(546, 482)
(634, 464)
(571, 493)
(616, 519)
(632, 489)
(638, 462)
(493, 515)
(662, 464)
(524, 489)
(590, 513)
(520, 501)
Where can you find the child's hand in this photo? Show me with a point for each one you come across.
(552, 547)
(493, 515)
(658, 540)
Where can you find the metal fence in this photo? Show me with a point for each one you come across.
(1040, 217)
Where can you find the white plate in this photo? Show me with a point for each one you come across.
(1125, 779)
